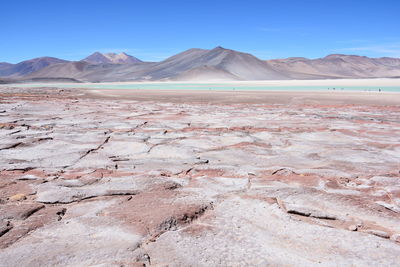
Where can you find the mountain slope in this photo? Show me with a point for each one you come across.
(208, 73)
(64, 70)
(28, 66)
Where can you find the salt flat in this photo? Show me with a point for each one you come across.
(178, 178)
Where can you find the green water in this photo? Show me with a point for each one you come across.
(210, 86)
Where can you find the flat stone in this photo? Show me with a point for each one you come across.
(389, 206)
(395, 237)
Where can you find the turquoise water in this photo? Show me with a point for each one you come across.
(211, 86)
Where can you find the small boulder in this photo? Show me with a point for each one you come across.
(17, 197)
(352, 227)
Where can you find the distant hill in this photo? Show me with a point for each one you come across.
(111, 58)
(28, 66)
(218, 64)
(338, 66)
(87, 72)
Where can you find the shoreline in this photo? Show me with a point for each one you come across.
(319, 82)
(249, 97)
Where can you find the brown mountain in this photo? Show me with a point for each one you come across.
(111, 58)
(236, 64)
(28, 66)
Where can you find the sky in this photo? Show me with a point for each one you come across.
(155, 30)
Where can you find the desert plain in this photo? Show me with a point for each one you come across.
(94, 177)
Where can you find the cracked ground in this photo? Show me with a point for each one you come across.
(88, 181)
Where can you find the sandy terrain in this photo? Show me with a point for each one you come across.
(199, 178)
(324, 82)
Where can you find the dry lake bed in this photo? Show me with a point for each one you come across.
(173, 178)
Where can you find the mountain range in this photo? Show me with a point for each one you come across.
(195, 64)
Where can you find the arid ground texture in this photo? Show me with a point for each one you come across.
(134, 178)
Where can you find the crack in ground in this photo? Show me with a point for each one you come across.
(95, 149)
(22, 169)
(81, 197)
(11, 146)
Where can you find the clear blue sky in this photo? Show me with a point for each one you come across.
(154, 30)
